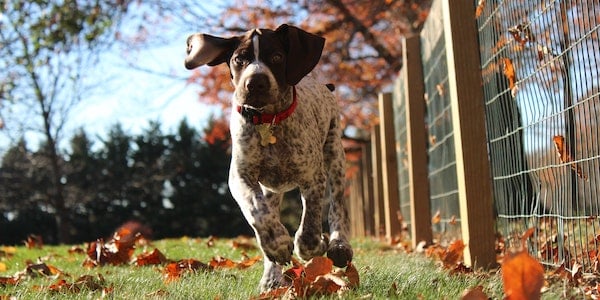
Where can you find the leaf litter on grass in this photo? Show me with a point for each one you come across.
(522, 275)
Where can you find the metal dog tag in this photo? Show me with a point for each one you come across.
(266, 134)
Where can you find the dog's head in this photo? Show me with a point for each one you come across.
(264, 63)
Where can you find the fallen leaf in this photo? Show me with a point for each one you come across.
(150, 258)
(221, 262)
(6, 281)
(522, 275)
(352, 275)
(175, 270)
(479, 9)
(211, 241)
(34, 241)
(565, 157)
(453, 254)
(42, 269)
(85, 282)
(317, 266)
(521, 33)
(76, 250)
(248, 262)
(437, 218)
(509, 71)
(475, 293)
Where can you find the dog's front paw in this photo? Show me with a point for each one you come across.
(279, 250)
(309, 246)
(340, 252)
(272, 277)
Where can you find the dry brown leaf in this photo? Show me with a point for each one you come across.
(437, 218)
(150, 258)
(480, 7)
(454, 254)
(248, 262)
(221, 262)
(174, 270)
(475, 293)
(521, 33)
(34, 241)
(565, 157)
(522, 275)
(509, 71)
(352, 275)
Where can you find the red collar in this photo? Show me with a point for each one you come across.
(257, 118)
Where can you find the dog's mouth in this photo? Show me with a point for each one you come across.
(250, 107)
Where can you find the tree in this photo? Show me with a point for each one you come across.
(362, 54)
(46, 46)
(200, 200)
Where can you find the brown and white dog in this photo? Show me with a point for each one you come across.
(286, 134)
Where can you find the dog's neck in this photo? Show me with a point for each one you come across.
(282, 111)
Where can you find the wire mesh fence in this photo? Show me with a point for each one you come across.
(540, 66)
(442, 159)
(541, 78)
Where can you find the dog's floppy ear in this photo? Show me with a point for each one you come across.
(303, 51)
(204, 49)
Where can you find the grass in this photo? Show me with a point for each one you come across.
(384, 273)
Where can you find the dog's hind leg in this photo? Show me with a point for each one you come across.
(309, 241)
(339, 249)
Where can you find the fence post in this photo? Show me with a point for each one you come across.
(367, 182)
(472, 163)
(391, 194)
(379, 219)
(416, 141)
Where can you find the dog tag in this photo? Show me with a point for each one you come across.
(266, 134)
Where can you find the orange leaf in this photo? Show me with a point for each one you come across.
(453, 254)
(221, 262)
(248, 262)
(151, 258)
(437, 218)
(521, 33)
(475, 293)
(325, 285)
(317, 266)
(279, 293)
(565, 157)
(174, 270)
(34, 241)
(480, 6)
(523, 276)
(5, 281)
(352, 275)
(509, 71)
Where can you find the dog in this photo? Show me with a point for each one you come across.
(286, 134)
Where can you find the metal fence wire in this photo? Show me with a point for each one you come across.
(541, 80)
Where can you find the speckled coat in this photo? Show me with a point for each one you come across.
(303, 151)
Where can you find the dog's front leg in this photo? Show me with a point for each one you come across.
(261, 210)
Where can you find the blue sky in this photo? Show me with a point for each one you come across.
(123, 93)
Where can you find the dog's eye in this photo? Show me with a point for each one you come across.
(276, 58)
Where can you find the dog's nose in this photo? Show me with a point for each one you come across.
(257, 83)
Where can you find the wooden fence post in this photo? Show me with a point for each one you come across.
(376, 165)
(472, 162)
(416, 141)
(367, 182)
(391, 193)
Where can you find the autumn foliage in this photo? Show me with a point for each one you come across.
(363, 52)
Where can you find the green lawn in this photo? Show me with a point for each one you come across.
(384, 273)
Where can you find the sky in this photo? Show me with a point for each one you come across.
(134, 97)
